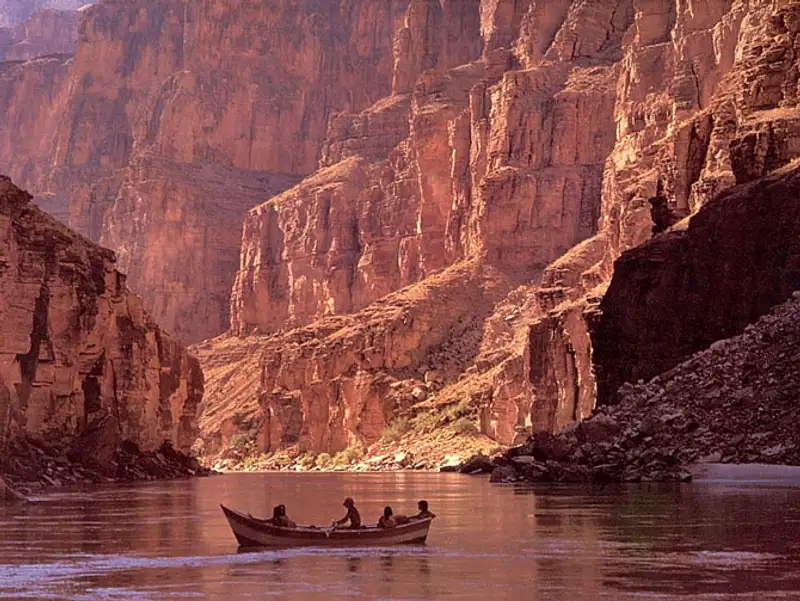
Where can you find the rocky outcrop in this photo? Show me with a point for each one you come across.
(699, 93)
(83, 367)
(9, 496)
(13, 12)
(341, 381)
(735, 402)
(44, 33)
(579, 131)
(703, 282)
(174, 107)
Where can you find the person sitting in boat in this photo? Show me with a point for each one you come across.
(386, 521)
(352, 515)
(284, 519)
(279, 517)
(423, 511)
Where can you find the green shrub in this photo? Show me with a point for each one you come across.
(243, 440)
(397, 429)
(425, 422)
(464, 425)
(349, 455)
(323, 459)
(307, 460)
(255, 462)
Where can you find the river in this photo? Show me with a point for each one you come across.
(169, 541)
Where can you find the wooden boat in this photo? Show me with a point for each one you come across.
(253, 532)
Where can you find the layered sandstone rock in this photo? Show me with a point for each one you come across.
(495, 134)
(81, 363)
(30, 96)
(13, 12)
(184, 97)
(735, 402)
(342, 380)
(44, 33)
(624, 115)
(477, 175)
(696, 284)
(701, 95)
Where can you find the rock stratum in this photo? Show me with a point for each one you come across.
(426, 224)
(575, 133)
(46, 32)
(14, 12)
(90, 387)
(735, 402)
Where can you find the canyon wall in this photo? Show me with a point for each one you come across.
(13, 12)
(80, 360)
(522, 145)
(707, 98)
(44, 33)
(579, 131)
(678, 293)
(181, 115)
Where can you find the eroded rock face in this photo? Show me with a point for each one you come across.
(197, 100)
(702, 100)
(497, 134)
(79, 358)
(685, 289)
(601, 122)
(31, 94)
(735, 402)
(477, 161)
(13, 12)
(44, 33)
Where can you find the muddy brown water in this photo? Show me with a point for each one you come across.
(169, 541)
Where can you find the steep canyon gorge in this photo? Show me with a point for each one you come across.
(364, 211)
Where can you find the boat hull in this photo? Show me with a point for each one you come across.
(252, 532)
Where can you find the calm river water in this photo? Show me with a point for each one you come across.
(169, 541)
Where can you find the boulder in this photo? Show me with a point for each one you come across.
(478, 464)
(504, 473)
(598, 429)
(9, 496)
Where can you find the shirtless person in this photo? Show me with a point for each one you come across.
(352, 515)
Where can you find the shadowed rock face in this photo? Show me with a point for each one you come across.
(680, 292)
(79, 358)
(8, 496)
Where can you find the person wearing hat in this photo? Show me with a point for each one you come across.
(352, 515)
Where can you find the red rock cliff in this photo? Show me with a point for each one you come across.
(45, 32)
(520, 145)
(79, 357)
(183, 115)
(707, 97)
(601, 122)
(13, 12)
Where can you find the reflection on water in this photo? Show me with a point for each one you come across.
(170, 541)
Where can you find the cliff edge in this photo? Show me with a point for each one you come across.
(87, 379)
